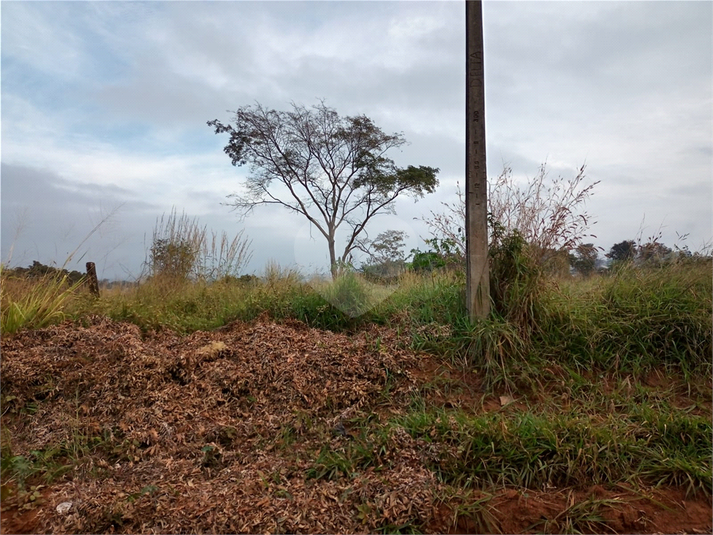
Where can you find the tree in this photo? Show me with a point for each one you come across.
(386, 255)
(443, 253)
(654, 253)
(173, 259)
(623, 251)
(331, 170)
(39, 270)
(182, 250)
(584, 260)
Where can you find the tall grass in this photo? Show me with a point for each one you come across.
(633, 319)
(33, 304)
(346, 303)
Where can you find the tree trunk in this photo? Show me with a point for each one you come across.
(332, 256)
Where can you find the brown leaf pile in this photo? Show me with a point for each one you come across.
(215, 432)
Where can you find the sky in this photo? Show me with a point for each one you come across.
(104, 109)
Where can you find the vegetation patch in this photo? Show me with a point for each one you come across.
(256, 405)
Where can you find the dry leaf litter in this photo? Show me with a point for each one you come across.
(217, 432)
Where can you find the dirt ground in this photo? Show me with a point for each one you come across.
(219, 432)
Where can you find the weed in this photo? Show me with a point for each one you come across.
(580, 517)
(149, 490)
(539, 451)
(408, 527)
(286, 437)
(330, 465)
(361, 452)
(479, 512)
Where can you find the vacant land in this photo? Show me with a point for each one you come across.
(388, 423)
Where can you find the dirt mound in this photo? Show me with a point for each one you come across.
(249, 429)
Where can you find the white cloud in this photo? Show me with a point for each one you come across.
(31, 35)
(126, 89)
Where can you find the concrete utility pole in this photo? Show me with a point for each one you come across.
(476, 183)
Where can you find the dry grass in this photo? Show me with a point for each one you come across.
(33, 304)
(548, 213)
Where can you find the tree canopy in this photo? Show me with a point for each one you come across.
(584, 259)
(330, 169)
(386, 255)
(622, 251)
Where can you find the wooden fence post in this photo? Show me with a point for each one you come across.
(92, 279)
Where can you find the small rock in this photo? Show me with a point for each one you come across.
(64, 507)
(340, 430)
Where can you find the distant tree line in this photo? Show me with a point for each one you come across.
(583, 260)
(38, 270)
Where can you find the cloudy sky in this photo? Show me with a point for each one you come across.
(104, 110)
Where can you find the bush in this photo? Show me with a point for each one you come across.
(443, 253)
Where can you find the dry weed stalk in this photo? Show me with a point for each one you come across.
(546, 212)
(183, 249)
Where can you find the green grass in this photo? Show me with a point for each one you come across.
(580, 517)
(345, 305)
(542, 450)
(369, 448)
(633, 320)
(52, 463)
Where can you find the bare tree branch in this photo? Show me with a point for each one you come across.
(335, 169)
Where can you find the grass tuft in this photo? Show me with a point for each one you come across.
(29, 304)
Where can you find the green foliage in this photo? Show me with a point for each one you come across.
(426, 261)
(633, 320)
(349, 294)
(182, 250)
(349, 459)
(584, 259)
(538, 450)
(39, 271)
(580, 517)
(169, 259)
(386, 256)
(516, 281)
(623, 251)
(654, 253)
(50, 463)
(443, 252)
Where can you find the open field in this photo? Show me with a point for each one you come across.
(260, 407)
